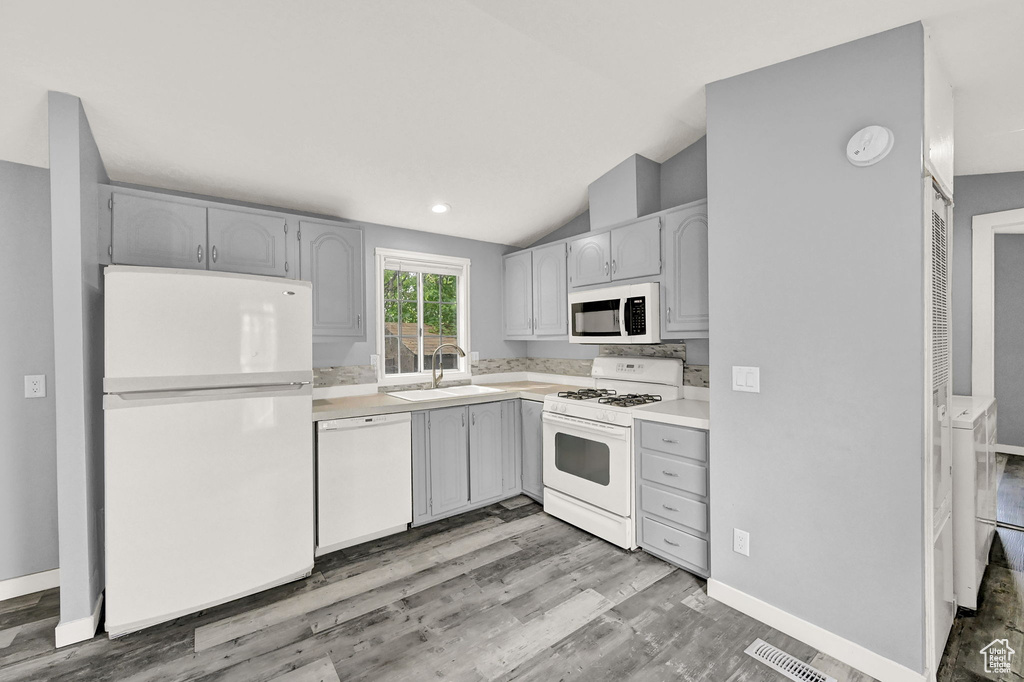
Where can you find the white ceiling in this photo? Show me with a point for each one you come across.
(505, 110)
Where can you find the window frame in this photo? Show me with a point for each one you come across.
(413, 260)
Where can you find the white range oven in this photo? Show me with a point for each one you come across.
(588, 444)
(620, 314)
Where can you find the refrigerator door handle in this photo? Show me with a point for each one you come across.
(139, 398)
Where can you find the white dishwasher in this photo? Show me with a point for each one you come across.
(364, 479)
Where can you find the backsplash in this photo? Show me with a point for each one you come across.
(693, 375)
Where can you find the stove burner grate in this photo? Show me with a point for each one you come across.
(630, 399)
(587, 394)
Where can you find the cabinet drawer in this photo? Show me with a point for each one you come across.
(683, 546)
(675, 440)
(674, 473)
(681, 510)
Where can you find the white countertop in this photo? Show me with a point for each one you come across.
(695, 414)
(382, 403)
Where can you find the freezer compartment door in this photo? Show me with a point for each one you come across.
(162, 325)
(206, 500)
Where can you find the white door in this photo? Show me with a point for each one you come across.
(590, 461)
(207, 499)
(168, 329)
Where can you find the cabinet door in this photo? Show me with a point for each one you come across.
(636, 249)
(332, 259)
(685, 282)
(533, 449)
(518, 294)
(247, 242)
(550, 299)
(449, 460)
(485, 452)
(150, 231)
(589, 261)
(511, 447)
(420, 469)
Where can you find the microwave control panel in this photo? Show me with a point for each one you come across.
(636, 316)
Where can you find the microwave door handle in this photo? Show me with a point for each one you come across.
(623, 308)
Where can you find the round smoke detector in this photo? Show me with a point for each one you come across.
(869, 145)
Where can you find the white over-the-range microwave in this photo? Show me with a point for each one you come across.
(619, 314)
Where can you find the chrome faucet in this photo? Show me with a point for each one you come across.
(433, 362)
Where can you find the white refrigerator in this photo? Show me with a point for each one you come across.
(208, 459)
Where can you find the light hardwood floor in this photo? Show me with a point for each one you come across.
(502, 593)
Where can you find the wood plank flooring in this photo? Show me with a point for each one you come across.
(502, 593)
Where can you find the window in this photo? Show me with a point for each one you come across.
(422, 303)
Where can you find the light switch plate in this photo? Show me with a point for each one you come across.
(747, 379)
(35, 385)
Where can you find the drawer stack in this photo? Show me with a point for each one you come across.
(672, 494)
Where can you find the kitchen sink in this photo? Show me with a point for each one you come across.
(439, 393)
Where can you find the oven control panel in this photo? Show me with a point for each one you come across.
(629, 368)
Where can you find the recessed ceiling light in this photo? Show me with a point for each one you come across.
(440, 208)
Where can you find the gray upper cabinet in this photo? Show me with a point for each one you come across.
(533, 461)
(518, 294)
(331, 257)
(148, 231)
(449, 459)
(550, 299)
(590, 260)
(485, 452)
(247, 242)
(636, 249)
(685, 284)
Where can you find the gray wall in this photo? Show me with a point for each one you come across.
(576, 226)
(1009, 337)
(816, 278)
(28, 463)
(486, 333)
(974, 195)
(77, 254)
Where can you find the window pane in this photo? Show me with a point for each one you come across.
(431, 283)
(432, 319)
(408, 286)
(449, 356)
(409, 316)
(390, 284)
(449, 288)
(409, 352)
(390, 313)
(390, 354)
(430, 344)
(449, 320)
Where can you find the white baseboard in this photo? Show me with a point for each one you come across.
(80, 629)
(27, 584)
(825, 641)
(1010, 449)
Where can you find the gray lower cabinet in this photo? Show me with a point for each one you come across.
(252, 243)
(449, 459)
(150, 231)
(636, 249)
(590, 260)
(517, 293)
(486, 464)
(463, 457)
(672, 494)
(533, 450)
(331, 257)
(684, 295)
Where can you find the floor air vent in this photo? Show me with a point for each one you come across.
(790, 666)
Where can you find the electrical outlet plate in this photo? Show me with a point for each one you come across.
(474, 357)
(373, 361)
(741, 542)
(35, 385)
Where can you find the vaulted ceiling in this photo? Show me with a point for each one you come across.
(506, 110)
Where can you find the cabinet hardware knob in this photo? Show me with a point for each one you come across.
(669, 508)
(213, 253)
(670, 473)
(668, 440)
(359, 320)
(613, 266)
(199, 253)
(669, 542)
(606, 267)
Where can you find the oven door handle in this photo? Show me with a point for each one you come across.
(571, 423)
